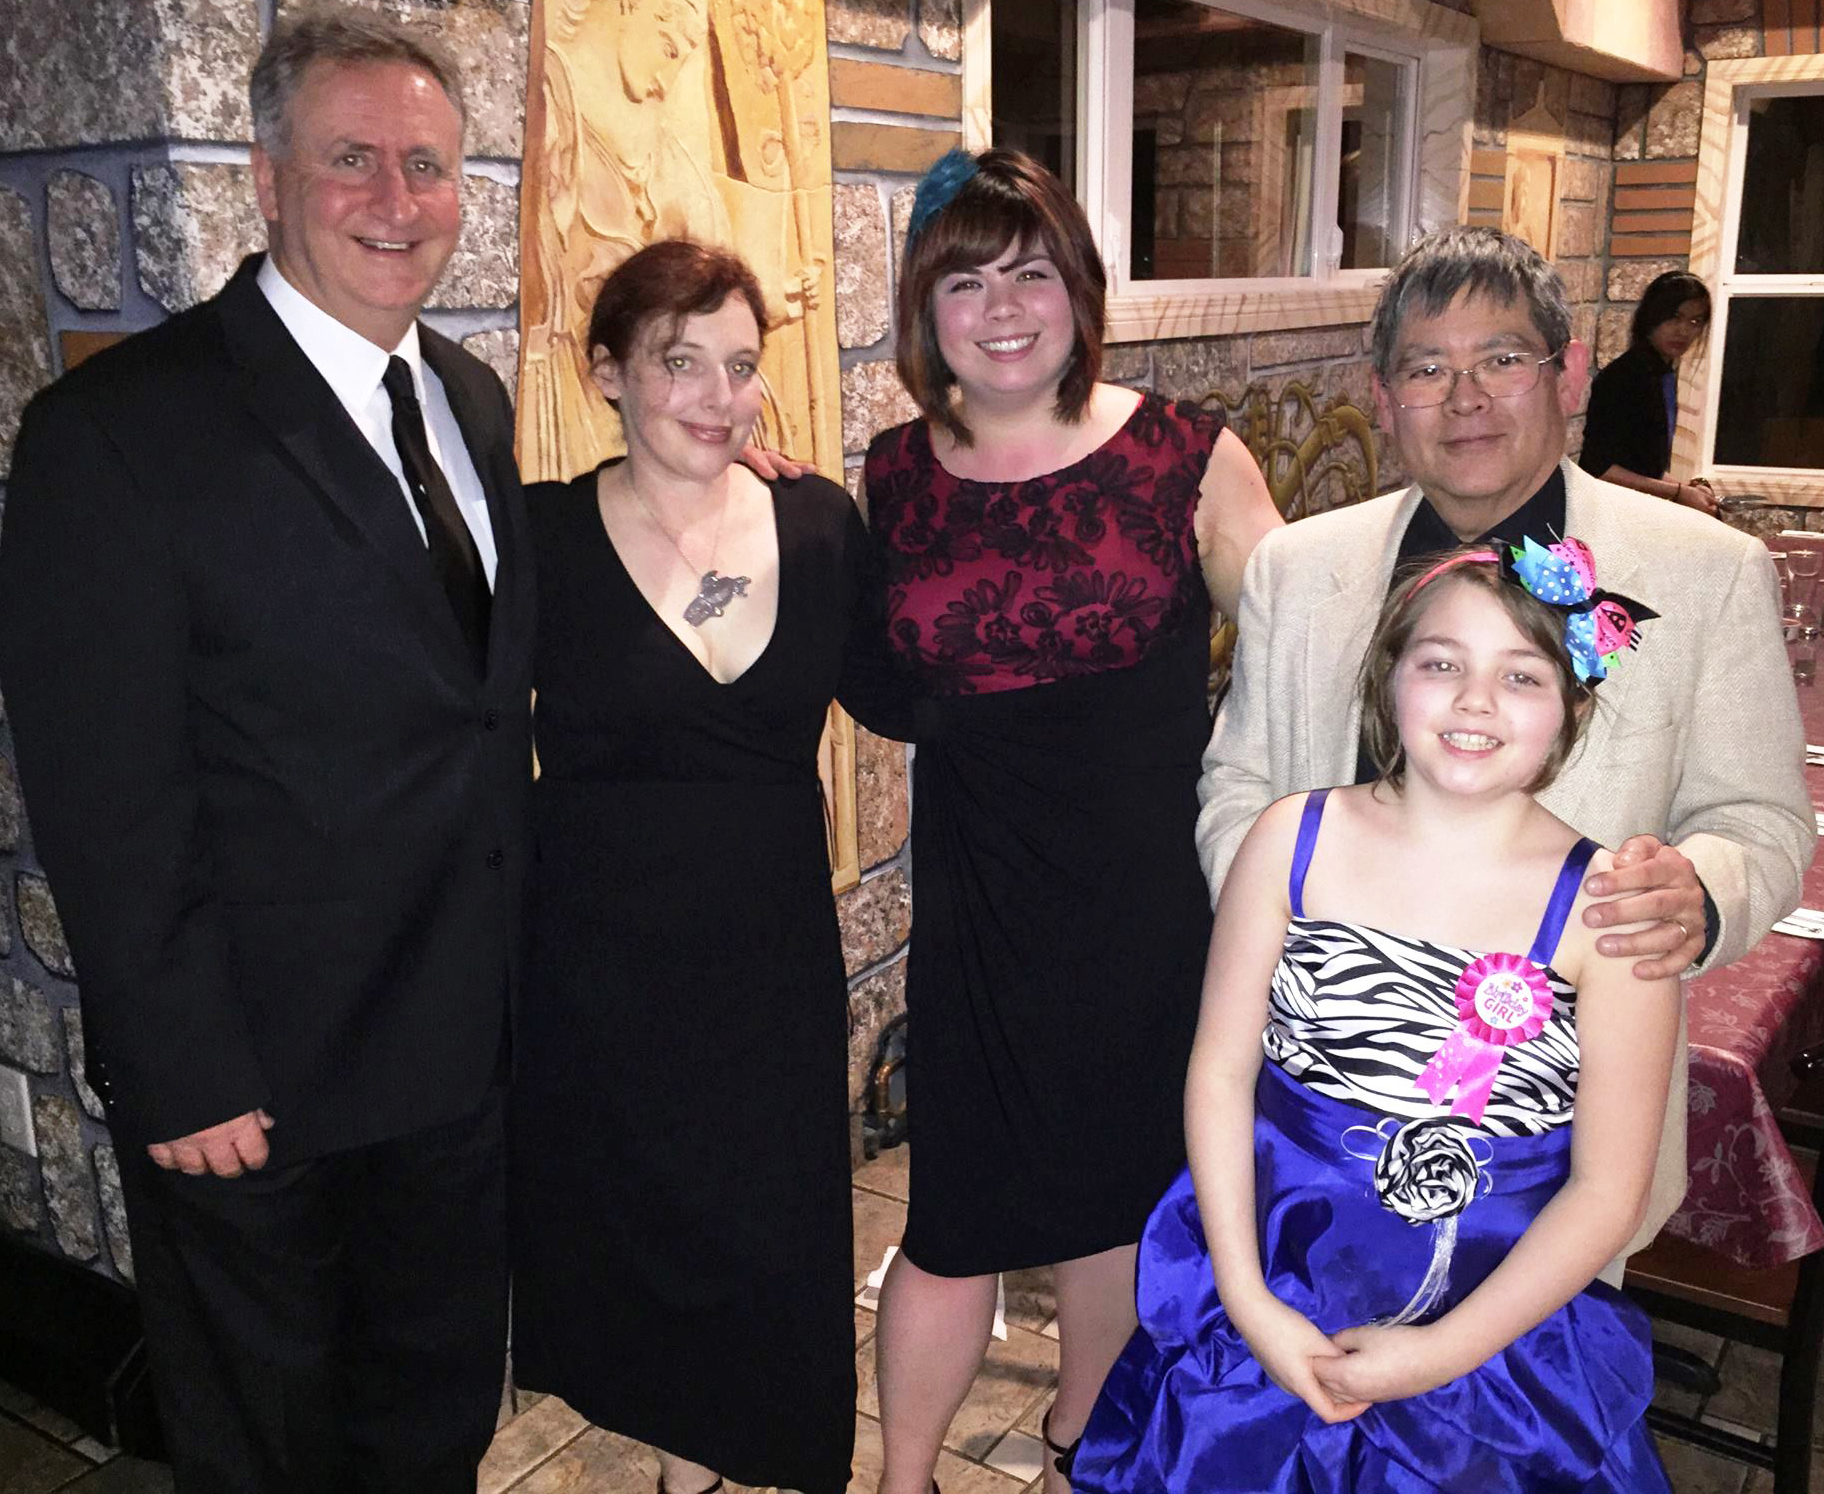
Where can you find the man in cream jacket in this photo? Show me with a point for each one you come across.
(1693, 766)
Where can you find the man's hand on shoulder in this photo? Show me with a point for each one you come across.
(1654, 884)
(767, 465)
(227, 1150)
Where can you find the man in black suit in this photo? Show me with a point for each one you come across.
(265, 636)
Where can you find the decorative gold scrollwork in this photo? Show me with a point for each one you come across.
(1333, 460)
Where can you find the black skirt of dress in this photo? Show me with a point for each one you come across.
(1061, 925)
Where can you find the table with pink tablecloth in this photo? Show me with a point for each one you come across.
(1747, 1199)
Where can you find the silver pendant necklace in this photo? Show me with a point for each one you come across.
(714, 591)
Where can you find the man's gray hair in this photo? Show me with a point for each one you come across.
(1480, 261)
(338, 36)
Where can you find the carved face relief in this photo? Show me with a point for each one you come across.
(654, 42)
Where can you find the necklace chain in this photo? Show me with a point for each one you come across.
(715, 543)
(714, 592)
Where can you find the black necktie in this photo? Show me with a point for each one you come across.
(453, 553)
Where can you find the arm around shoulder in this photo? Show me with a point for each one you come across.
(875, 688)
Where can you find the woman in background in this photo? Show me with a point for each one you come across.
(1627, 434)
(1053, 547)
(678, 1123)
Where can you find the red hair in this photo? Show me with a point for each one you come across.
(671, 279)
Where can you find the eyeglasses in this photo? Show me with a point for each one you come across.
(1499, 376)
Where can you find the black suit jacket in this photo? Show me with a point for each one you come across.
(282, 814)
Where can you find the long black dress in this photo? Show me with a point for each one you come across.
(679, 1175)
(1059, 631)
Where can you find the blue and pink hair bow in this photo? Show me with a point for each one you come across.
(1600, 625)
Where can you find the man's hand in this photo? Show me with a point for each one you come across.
(768, 465)
(1654, 884)
(226, 1150)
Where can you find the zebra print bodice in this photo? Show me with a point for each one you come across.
(1356, 1014)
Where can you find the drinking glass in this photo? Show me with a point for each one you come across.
(1804, 565)
(1801, 628)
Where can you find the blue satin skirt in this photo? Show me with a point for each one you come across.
(1188, 1410)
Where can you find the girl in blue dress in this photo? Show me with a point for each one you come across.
(1378, 1271)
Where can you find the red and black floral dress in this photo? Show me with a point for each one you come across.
(1058, 630)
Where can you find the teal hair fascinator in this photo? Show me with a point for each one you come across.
(938, 187)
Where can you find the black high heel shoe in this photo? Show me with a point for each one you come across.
(1062, 1456)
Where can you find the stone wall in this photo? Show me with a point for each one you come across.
(126, 195)
(1562, 111)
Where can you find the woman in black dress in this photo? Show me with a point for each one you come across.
(1627, 434)
(679, 1175)
(1053, 548)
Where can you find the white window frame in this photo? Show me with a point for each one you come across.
(1439, 107)
(1730, 88)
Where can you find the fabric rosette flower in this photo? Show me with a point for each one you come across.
(1428, 1170)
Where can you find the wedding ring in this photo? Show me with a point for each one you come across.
(1684, 934)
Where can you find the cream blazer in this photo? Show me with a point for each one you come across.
(1696, 737)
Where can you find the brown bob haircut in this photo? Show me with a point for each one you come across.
(1011, 201)
(667, 281)
(1539, 623)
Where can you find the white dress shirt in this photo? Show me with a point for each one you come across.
(352, 367)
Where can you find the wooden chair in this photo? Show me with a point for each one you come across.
(1780, 1310)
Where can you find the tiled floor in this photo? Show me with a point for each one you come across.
(546, 1448)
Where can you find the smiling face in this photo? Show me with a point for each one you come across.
(363, 208)
(1672, 338)
(1478, 458)
(1005, 328)
(1479, 706)
(688, 401)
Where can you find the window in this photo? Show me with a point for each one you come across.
(1227, 120)
(1752, 397)
(1244, 164)
(1770, 395)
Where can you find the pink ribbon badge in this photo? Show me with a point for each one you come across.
(1502, 999)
